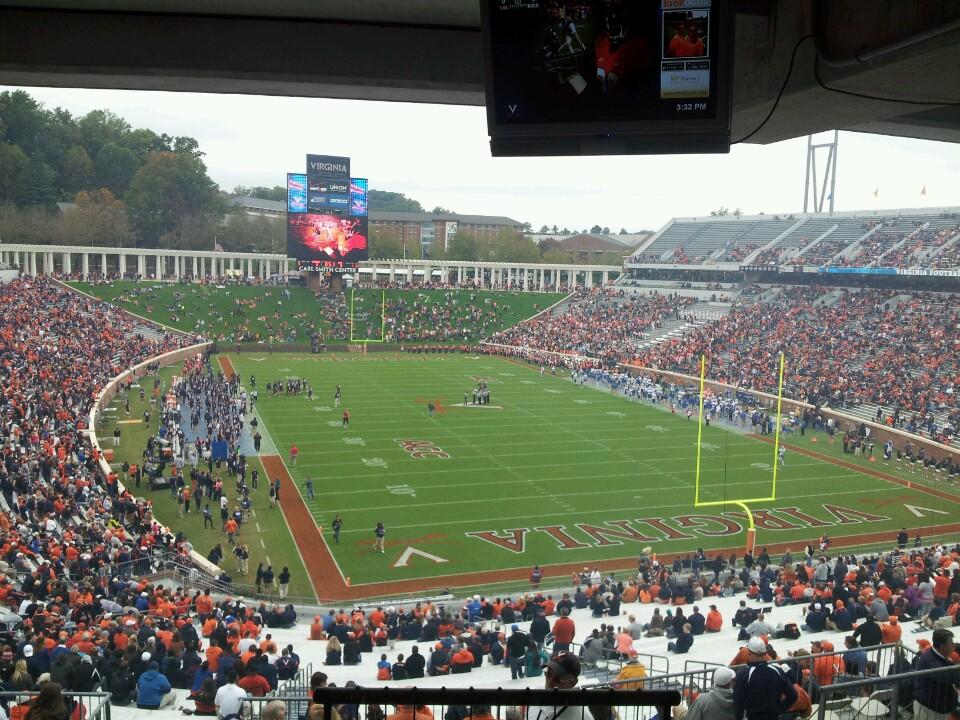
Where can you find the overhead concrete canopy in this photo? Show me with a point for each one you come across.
(430, 51)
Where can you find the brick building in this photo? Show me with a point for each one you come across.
(437, 230)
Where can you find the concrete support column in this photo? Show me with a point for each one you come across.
(232, 268)
(541, 273)
(606, 277)
(122, 264)
(66, 264)
(410, 274)
(103, 263)
(158, 267)
(177, 260)
(194, 267)
(142, 266)
(589, 277)
(33, 262)
(85, 266)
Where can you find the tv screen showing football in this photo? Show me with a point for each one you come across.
(608, 67)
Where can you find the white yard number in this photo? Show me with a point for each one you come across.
(354, 441)
(375, 462)
(402, 490)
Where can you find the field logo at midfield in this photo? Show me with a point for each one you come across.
(420, 449)
(577, 536)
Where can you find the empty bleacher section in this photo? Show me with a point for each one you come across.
(896, 238)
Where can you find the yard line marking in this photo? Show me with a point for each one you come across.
(258, 527)
(263, 544)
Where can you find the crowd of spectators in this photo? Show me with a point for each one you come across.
(856, 348)
(606, 325)
(75, 544)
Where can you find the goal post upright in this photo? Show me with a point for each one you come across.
(743, 503)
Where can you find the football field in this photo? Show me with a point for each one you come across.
(547, 473)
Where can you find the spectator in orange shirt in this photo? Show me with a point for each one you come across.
(213, 654)
(230, 528)
(316, 629)
(254, 683)
(891, 630)
(714, 620)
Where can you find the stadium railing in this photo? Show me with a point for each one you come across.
(94, 705)
(874, 697)
(697, 676)
(371, 703)
(604, 670)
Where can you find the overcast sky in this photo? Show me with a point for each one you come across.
(440, 155)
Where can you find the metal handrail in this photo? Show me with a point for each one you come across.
(894, 681)
(96, 704)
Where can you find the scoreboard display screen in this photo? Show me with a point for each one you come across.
(320, 241)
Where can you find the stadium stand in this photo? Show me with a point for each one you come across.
(78, 549)
(901, 239)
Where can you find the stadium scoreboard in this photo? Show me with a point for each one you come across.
(327, 223)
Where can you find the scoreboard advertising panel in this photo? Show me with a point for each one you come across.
(358, 196)
(326, 241)
(296, 193)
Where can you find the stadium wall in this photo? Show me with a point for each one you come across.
(880, 433)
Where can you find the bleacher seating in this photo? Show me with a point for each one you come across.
(908, 239)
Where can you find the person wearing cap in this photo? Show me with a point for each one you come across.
(815, 619)
(561, 673)
(718, 703)
(761, 691)
(935, 695)
(516, 651)
(153, 689)
(439, 661)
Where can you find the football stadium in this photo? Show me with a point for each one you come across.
(312, 452)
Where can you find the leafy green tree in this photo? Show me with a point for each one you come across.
(13, 163)
(101, 127)
(171, 193)
(463, 246)
(37, 186)
(253, 233)
(544, 229)
(595, 229)
(143, 141)
(386, 201)
(605, 231)
(99, 218)
(623, 231)
(25, 121)
(385, 244)
(115, 167)
(441, 211)
(554, 230)
(78, 170)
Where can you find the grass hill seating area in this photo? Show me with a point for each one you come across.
(241, 313)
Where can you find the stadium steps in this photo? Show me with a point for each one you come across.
(929, 259)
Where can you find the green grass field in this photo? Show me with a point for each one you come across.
(259, 313)
(557, 473)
